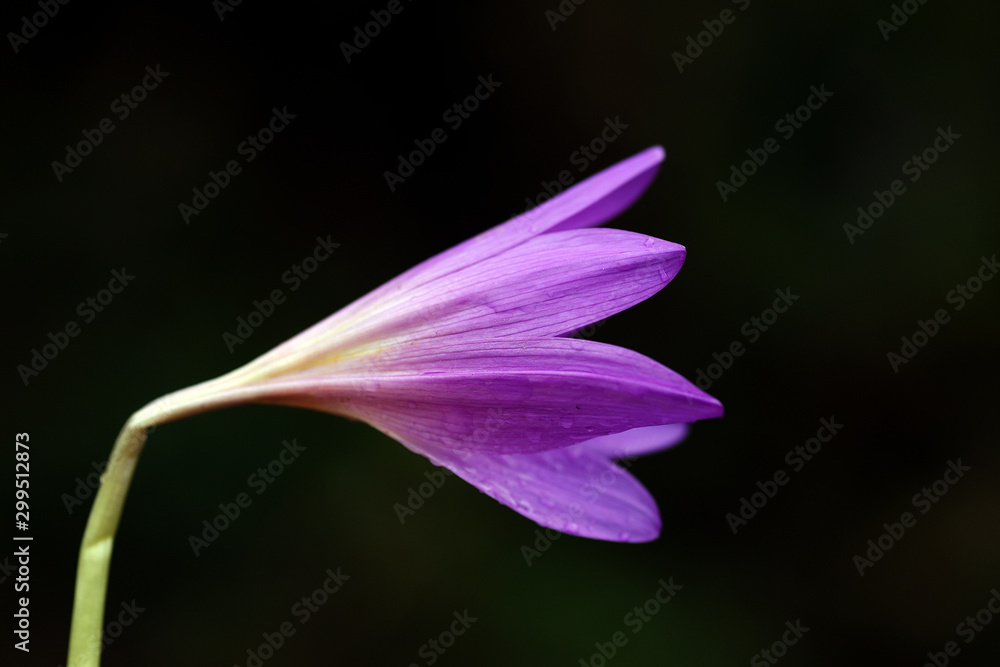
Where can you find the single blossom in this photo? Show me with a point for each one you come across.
(468, 359)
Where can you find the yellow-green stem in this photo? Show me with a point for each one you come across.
(86, 631)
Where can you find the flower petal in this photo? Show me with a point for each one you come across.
(548, 286)
(571, 490)
(498, 396)
(637, 442)
(587, 203)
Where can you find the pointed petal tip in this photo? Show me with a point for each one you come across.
(604, 195)
(579, 493)
(637, 441)
(651, 535)
(719, 408)
(656, 152)
(642, 161)
(646, 529)
(711, 407)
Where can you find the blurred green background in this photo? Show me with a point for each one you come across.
(323, 176)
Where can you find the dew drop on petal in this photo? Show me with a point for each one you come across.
(608, 421)
(663, 275)
(566, 421)
(649, 243)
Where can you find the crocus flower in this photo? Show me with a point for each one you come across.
(465, 359)
(468, 359)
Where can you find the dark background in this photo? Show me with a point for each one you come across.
(323, 176)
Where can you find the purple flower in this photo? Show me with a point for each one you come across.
(467, 360)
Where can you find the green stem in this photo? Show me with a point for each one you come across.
(95, 553)
(86, 629)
